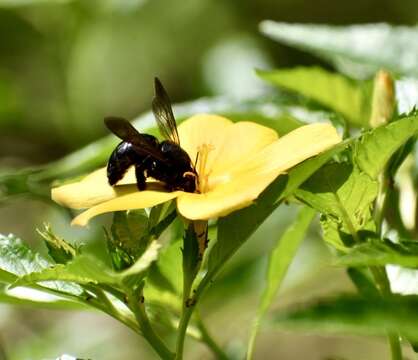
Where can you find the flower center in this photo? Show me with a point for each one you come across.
(202, 153)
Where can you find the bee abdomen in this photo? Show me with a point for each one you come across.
(121, 159)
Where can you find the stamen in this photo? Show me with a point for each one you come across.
(203, 152)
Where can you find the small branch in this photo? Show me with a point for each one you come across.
(195, 241)
(102, 303)
(137, 307)
(379, 273)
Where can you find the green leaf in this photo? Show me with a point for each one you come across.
(235, 229)
(16, 259)
(124, 241)
(279, 261)
(132, 232)
(359, 50)
(41, 303)
(341, 193)
(128, 228)
(164, 284)
(333, 234)
(59, 250)
(86, 269)
(364, 282)
(301, 172)
(191, 257)
(375, 148)
(354, 315)
(347, 97)
(380, 253)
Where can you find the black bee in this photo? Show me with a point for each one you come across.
(164, 161)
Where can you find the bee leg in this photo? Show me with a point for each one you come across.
(140, 177)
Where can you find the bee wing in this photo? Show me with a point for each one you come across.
(124, 130)
(161, 107)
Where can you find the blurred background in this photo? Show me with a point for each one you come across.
(66, 64)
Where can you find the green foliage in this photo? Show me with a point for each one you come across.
(131, 233)
(343, 195)
(235, 229)
(350, 47)
(332, 90)
(85, 270)
(279, 261)
(354, 315)
(191, 256)
(380, 253)
(17, 260)
(376, 147)
(124, 242)
(59, 250)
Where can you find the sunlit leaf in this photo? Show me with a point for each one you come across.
(354, 315)
(376, 147)
(380, 253)
(36, 298)
(347, 97)
(341, 193)
(164, 283)
(59, 250)
(86, 269)
(17, 260)
(356, 49)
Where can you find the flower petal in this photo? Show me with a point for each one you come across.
(239, 142)
(291, 149)
(243, 183)
(202, 129)
(91, 190)
(230, 142)
(136, 200)
(224, 198)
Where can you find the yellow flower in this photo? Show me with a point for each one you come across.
(236, 162)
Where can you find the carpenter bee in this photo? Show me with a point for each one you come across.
(164, 161)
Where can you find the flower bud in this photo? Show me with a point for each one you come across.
(383, 102)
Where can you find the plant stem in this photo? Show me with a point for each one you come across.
(209, 341)
(194, 246)
(107, 307)
(184, 322)
(395, 347)
(379, 273)
(147, 331)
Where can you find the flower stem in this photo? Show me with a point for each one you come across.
(379, 273)
(102, 303)
(137, 307)
(184, 322)
(395, 347)
(194, 246)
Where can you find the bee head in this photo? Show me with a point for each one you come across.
(190, 182)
